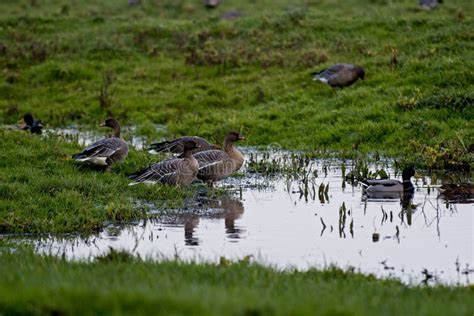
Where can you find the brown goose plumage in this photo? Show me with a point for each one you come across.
(340, 75)
(105, 152)
(174, 171)
(176, 146)
(215, 165)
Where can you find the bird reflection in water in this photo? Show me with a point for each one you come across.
(405, 197)
(226, 208)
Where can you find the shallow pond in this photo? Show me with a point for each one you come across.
(286, 221)
(85, 136)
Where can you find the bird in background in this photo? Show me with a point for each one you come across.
(30, 124)
(339, 75)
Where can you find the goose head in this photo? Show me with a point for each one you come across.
(112, 123)
(190, 145)
(233, 137)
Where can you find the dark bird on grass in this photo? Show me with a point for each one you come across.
(340, 75)
(30, 124)
(429, 4)
(105, 152)
(391, 185)
(176, 146)
(211, 4)
(216, 164)
(174, 171)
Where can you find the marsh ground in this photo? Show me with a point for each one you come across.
(177, 64)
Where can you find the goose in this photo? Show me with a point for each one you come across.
(176, 146)
(173, 171)
(429, 4)
(391, 185)
(216, 164)
(339, 75)
(32, 125)
(105, 152)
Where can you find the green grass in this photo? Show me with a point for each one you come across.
(43, 190)
(178, 64)
(120, 284)
(175, 63)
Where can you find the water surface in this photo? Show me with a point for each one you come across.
(286, 222)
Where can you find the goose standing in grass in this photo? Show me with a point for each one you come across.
(340, 75)
(215, 165)
(32, 125)
(391, 185)
(176, 146)
(174, 171)
(105, 152)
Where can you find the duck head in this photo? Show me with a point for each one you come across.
(28, 118)
(408, 172)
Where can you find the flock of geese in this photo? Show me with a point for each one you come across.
(197, 158)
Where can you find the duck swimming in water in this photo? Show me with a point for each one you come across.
(391, 185)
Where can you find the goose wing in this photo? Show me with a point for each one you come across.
(327, 73)
(103, 148)
(177, 145)
(162, 171)
(210, 158)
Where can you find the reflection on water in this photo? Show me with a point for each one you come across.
(296, 220)
(227, 208)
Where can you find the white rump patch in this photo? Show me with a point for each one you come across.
(98, 161)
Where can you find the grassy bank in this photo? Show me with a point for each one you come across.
(178, 64)
(43, 190)
(121, 284)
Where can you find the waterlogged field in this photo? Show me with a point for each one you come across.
(291, 233)
(310, 218)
